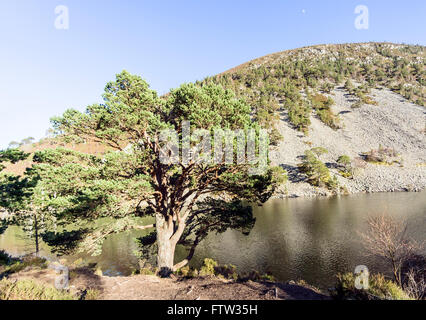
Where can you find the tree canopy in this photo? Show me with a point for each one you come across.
(188, 198)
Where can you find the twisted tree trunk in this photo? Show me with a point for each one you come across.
(166, 247)
(169, 232)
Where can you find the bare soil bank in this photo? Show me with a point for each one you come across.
(146, 287)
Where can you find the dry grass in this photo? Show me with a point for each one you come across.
(51, 143)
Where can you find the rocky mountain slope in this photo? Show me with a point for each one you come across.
(358, 100)
(395, 123)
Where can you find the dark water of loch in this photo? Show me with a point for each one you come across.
(310, 239)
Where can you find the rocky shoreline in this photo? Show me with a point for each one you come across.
(375, 179)
(318, 193)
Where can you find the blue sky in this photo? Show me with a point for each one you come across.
(45, 71)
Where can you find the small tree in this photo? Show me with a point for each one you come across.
(21, 198)
(346, 165)
(381, 155)
(349, 86)
(316, 171)
(387, 239)
(415, 284)
(14, 144)
(24, 199)
(319, 151)
(28, 140)
(326, 87)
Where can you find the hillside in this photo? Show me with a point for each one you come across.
(360, 100)
(364, 101)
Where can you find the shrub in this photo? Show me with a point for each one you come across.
(30, 290)
(386, 238)
(322, 106)
(256, 276)
(319, 151)
(5, 259)
(369, 100)
(379, 288)
(299, 116)
(275, 136)
(344, 160)
(146, 269)
(184, 271)
(380, 155)
(361, 93)
(316, 171)
(345, 166)
(16, 265)
(329, 118)
(227, 271)
(414, 282)
(320, 101)
(326, 87)
(349, 86)
(356, 104)
(92, 294)
(208, 268)
(187, 272)
(386, 289)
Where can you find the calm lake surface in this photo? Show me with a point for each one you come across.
(310, 239)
